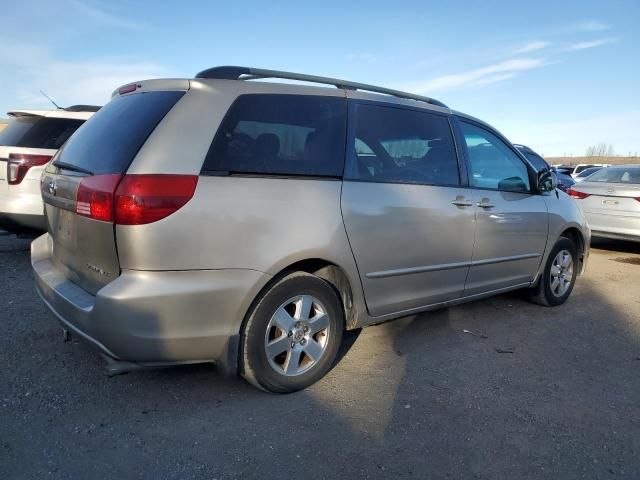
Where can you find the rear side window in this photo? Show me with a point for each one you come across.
(402, 146)
(281, 135)
(617, 175)
(49, 132)
(111, 139)
(16, 129)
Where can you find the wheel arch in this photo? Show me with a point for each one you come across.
(330, 272)
(575, 235)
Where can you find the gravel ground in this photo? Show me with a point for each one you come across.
(414, 398)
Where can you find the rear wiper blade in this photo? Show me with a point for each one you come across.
(70, 166)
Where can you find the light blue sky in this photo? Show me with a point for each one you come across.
(556, 75)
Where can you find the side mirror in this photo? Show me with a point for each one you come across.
(547, 181)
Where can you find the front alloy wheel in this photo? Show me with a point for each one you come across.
(561, 273)
(558, 278)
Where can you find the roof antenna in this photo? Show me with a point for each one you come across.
(49, 98)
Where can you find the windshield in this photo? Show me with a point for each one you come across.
(617, 175)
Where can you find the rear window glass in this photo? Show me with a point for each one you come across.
(50, 133)
(282, 135)
(617, 175)
(111, 139)
(15, 130)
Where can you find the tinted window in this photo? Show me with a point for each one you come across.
(109, 141)
(401, 145)
(581, 168)
(617, 175)
(15, 130)
(281, 134)
(49, 132)
(588, 171)
(493, 164)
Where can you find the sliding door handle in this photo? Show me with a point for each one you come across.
(462, 203)
(485, 205)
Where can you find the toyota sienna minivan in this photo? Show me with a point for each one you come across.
(228, 220)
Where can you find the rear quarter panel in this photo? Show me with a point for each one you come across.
(264, 224)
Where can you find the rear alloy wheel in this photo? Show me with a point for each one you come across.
(559, 276)
(292, 337)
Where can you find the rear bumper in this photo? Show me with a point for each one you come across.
(22, 212)
(153, 318)
(615, 236)
(623, 227)
(21, 223)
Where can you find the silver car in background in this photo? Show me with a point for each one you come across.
(610, 199)
(220, 219)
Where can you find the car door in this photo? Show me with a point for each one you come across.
(511, 218)
(408, 217)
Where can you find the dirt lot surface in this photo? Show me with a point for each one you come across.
(415, 398)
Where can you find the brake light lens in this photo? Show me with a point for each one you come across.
(127, 88)
(142, 199)
(95, 197)
(20, 163)
(133, 199)
(575, 194)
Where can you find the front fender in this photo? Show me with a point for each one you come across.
(566, 216)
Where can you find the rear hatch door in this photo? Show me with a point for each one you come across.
(78, 185)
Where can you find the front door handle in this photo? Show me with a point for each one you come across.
(462, 203)
(485, 204)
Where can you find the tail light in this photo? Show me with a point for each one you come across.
(20, 163)
(95, 196)
(576, 194)
(134, 199)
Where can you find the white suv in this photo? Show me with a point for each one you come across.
(26, 146)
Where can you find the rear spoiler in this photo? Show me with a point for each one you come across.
(28, 113)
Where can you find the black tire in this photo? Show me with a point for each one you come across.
(542, 293)
(256, 368)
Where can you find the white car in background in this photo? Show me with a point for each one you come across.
(585, 173)
(610, 199)
(27, 144)
(583, 166)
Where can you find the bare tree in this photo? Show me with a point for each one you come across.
(601, 150)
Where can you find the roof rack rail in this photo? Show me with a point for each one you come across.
(82, 108)
(249, 73)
